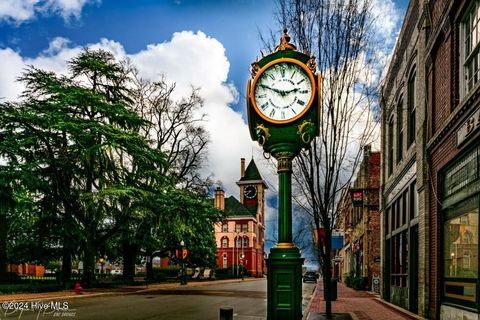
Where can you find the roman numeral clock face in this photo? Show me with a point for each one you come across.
(283, 92)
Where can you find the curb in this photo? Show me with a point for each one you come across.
(307, 308)
(159, 287)
(406, 313)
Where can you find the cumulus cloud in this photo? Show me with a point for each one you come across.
(19, 11)
(188, 59)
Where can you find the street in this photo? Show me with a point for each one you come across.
(248, 300)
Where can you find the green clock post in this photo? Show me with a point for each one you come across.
(283, 116)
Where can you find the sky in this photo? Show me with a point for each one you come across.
(208, 44)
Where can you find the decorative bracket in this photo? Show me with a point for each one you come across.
(262, 133)
(306, 130)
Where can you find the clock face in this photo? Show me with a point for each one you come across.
(250, 192)
(283, 92)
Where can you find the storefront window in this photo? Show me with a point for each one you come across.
(461, 246)
(460, 251)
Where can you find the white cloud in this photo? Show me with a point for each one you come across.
(387, 18)
(187, 59)
(21, 10)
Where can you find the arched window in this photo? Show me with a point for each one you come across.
(400, 130)
(467, 259)
(245, 242)
(412, 105)
(467, 238)
(224, 242)
(238, 242)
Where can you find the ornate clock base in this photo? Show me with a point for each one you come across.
(284, 283)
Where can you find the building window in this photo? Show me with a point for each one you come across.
(245, 227)
(224, 242)
(239, 242)
(457, 241)
(245, 242)
(225, 263)
(238, 227)
(411, 109)
(225, 227)
(390, 146)
(400, 130)
(399, 260)
(470, 47)
(413, 203)
(460, 251)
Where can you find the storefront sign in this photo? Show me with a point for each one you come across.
(357, 197)
(471, 125)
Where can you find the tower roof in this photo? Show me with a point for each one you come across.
(251, 173)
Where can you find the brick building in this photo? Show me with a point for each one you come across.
(453, 108)
(404, 187)
(359, 212)
(242, 233)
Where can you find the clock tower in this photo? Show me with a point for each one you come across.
(252, 189)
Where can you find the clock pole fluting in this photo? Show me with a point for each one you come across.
(283, 105)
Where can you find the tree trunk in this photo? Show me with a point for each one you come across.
(66, 263)
(3, 241)
(129, 256)
(149, 255)
(327, 277)
(89, 260)
(67, 251)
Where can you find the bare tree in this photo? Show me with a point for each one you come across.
(176, 128)
(338, 33)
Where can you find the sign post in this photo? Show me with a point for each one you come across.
(283, 117)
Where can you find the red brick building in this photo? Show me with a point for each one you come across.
(359, 210)
(242, 233)
(453, 110)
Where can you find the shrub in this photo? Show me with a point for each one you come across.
(349, 280)
(360, 283)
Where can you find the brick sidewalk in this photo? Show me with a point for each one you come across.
(360, 305)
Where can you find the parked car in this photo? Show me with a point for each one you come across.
(310, 276)
(116, 272)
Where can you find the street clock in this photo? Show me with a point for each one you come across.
(283, 100)
(283, 107)
(283, 91)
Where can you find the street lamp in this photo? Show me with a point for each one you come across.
(102, 262)
(242, 256)
(183, 277)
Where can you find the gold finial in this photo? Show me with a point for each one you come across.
(285, 42)
(254, 67)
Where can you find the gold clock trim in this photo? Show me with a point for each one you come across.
(262, 70)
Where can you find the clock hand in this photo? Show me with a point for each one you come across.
(281, 92)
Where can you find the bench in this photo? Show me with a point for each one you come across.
(140, 280)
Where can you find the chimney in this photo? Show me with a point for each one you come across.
(242, 167)
(219, 202)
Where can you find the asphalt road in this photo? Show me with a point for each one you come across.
(248, 300)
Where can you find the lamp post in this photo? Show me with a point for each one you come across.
(242, 256)
(102, 262)
(183, 276)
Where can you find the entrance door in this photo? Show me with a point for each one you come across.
(413, 272)
(386, 269)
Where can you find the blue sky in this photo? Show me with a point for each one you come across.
(135, 24)
(209, 44)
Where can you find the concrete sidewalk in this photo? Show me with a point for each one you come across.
(118, 290)
(353, 304)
